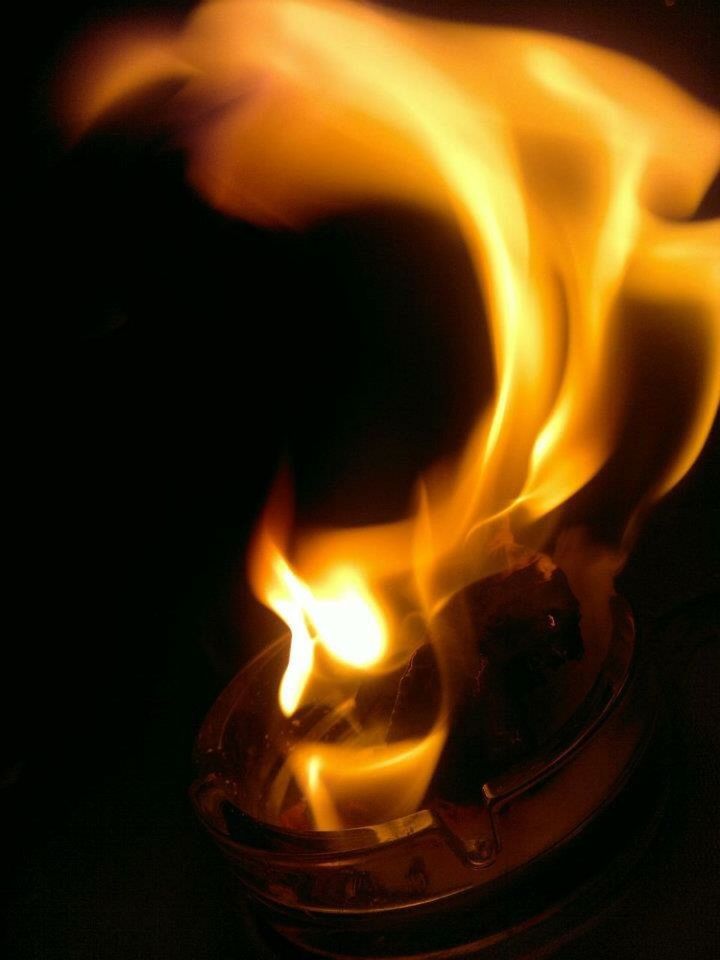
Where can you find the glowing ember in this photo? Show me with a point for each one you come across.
(568, 170)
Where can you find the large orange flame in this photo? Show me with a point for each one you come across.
(569, 170)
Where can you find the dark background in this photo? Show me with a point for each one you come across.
(171, 359)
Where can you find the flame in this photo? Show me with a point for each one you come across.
(569, 170)
(381, 782)
(339, 613)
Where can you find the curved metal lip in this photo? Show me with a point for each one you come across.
(495, 885)
(609, 687)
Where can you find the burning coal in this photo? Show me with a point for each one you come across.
(572, 173)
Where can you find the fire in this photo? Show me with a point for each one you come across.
(340, 613)
(572, 173)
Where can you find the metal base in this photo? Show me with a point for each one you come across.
(534, 859)
(533, 913)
